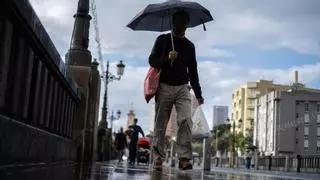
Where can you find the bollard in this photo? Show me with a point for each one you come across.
(207, 153)
(298, 163)
(269, 163)
(173, 154)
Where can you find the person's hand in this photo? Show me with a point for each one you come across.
(200, 101)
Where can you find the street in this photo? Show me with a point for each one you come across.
(122, 171)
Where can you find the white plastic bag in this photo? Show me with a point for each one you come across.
(200, 126)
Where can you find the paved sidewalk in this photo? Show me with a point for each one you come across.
(291, 175)
(123, 171)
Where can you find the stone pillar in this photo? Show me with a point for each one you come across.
(207, 153)
(95, 94)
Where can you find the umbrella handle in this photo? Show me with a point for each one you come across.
(203, 25)
(172, 40)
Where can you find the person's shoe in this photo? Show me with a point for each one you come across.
(157, 164)
(184, 164)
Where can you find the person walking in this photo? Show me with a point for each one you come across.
(120, 143)
(248, 157)
(133, 141)
(177, 69)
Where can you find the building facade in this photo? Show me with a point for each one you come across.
(220, 115)
(243, 101)
(288, 123)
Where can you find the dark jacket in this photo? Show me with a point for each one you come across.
(184, 68)
(135, 135)
(120, 141)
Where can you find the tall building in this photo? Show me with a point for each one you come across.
(220, 115)
(288, 123)
(243, 99)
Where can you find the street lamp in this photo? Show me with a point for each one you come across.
(234, 139)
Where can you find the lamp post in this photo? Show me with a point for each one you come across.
(234, 140)
(106, 136)
(217, 146)
(109, 77)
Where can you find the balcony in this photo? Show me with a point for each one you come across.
(251, 96)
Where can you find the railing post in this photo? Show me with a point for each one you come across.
(256, 161)
(298, 163)
(269, 163)
(286, 165)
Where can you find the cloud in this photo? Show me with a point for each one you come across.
(264, 24)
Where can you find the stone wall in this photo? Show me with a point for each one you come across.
(38, 100)
(30, 153)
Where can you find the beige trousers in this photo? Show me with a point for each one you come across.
(165, 98)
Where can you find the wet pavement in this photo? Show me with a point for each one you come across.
(123, 171)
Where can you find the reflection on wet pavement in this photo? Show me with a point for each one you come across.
(122, 171)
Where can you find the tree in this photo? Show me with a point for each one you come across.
(223, 135)
(225, 139)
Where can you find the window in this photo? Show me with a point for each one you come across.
(240, 102)
(297, 115)
(318, 145)
(318, 131)
(306, 144)
(306, 131)
(306, 107)
(318, 107)
(306, 118)
(318, 118)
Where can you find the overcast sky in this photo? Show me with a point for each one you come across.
(249, 40)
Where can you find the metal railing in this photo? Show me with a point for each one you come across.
(273, 163)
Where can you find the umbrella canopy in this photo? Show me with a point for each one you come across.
(158, 17)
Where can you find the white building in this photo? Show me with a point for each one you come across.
(220, 115)
(287, 123)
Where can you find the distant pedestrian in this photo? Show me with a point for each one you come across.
(120, 143)
(133, 140)
(248, 160)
